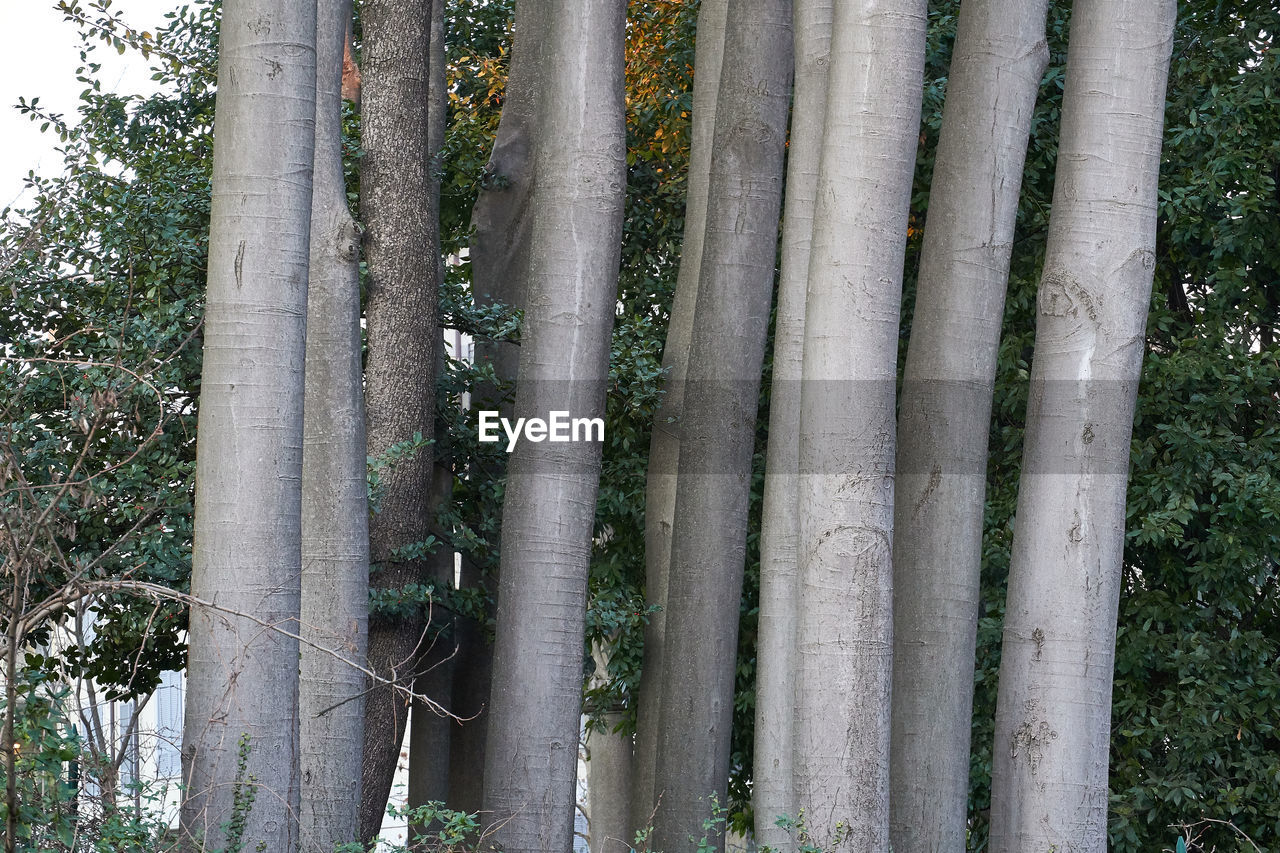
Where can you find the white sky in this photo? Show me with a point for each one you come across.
(39, 54)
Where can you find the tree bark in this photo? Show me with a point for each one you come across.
(841, 748)
(664, 445)
(335, 506)
(945, 409)
(575, 236)
(498, 254)
(717, 434)
(1053, 715)
(241, 729)
(399, 201)
(780, 525)
(609, 762)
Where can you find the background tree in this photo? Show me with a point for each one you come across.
(240, 739)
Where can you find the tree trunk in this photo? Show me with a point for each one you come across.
(241, 731)
(549, 509)
(1053, 715)
(399, 201)
(708, 546)
(335, 506)
(664, 445)
(498, 255)
(609, 756)
(780, 524)
(841, 748)
(997, 62)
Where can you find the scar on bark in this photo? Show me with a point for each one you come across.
(350, 72)
(935, 480)
(240, 266)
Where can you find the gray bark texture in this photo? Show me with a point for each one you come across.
(944, 413)
(718, 420)
(335, 506)
(847, 435)
(241, 729)
(664, 445)
(609, 762)
(399, 203)
(1053, 714)
(579, 182)
(780, 523)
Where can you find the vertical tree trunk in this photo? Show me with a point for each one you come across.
(664, 445)
(335, 507)
(996, 65)
(847, 423)
(241, 729)
(499, 254)
(1053, 716)
(717, 435)
(780, 524)
(549, 509)
(609, 762)
(399, 205)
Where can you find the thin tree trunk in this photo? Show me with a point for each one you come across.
(499, 255)
(609, 757)
(664, 445)
(335, 507)
(549, 509)
(780, 525)
(399, 205)
(708, 546)
(841, 748)
(997, 62)
(1053, 715)
(241, 729)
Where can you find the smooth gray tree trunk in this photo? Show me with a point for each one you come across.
(664, 445)
(241, 730)
(399, 207)
(579, 183)
(847, 429)
(718, 420)
(498, 253)
(1053, 715)
(780, 524)
(335, 506)
(944, 413)
(609, 763)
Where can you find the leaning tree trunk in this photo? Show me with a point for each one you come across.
(335, 506)
(608, 766)
(240, 736)
(845, 630)
(664, 445)
(575, 236)
(1053, 715)
(717, 435)
(400, 212)
(498, 253)
(999, 56)
(780, 524)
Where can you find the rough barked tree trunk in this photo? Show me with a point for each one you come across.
(335, 506)
(609, 757)
(400, 214)
(498, 253)
(780, 524)
(579, 183)
(664, 445)
(996, 65)
(717, 434)
(845, 630)
(1053, 715)
(241, 730)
